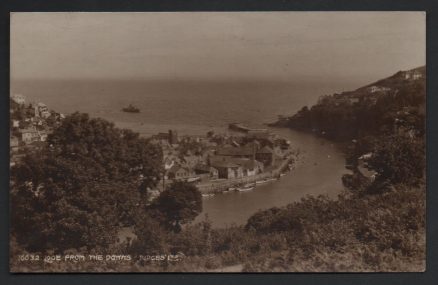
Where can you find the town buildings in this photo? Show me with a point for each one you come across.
(13, 144)
(30, 126)
(170, 138)
(178, 172)
(19, 99)
(207, 171)
(29, 135)
(219, 157)
(41, 110)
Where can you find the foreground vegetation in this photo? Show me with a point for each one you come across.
(384, 232)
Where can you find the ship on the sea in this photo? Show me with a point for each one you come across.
(131, 109)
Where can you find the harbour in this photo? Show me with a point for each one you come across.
(162, 110)
(307, 178)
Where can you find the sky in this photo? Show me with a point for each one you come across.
(216, 45)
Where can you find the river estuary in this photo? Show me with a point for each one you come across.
(318, 172)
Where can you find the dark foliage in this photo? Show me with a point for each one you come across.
(177, 205)
(89, 179)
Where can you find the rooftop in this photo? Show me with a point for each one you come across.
(235, 151)
(233, 162)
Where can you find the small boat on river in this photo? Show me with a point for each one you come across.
(266, 180)
(246, 187)
(258, 182)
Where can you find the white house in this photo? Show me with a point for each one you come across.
(413, 74)
(374, 89)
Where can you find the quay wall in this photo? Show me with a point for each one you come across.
(219, 186)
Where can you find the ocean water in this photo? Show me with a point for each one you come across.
(194, 108)
(190, 107)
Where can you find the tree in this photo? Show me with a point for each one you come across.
(82, 186)
(151, 238)
(399, 159)
(177, 205)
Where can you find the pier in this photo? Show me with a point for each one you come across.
(244, 129)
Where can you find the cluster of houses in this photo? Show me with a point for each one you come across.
(412, 74)
(30, 128)
(220, 156)
(374, 89)
(368, 94)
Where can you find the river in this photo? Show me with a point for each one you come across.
(318, 172)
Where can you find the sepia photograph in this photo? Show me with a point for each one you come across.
(217, 142)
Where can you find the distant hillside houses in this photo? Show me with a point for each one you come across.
(19, 99)
(31, 135)
(412, 74)
(15, 123)
(374, 89)
(41, 110)
(29, 126)
(13, 144)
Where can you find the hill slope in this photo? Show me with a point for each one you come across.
(392, 104)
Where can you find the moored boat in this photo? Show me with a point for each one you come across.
(244, 189)
(270, 179)
(261, 181)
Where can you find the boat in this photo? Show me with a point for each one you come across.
(193, 179)
(207, 195)
(261, 181)
(229, 190)
(244, 189)
(270, 179)
(131, 109)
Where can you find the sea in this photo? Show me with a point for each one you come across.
(195, 107)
